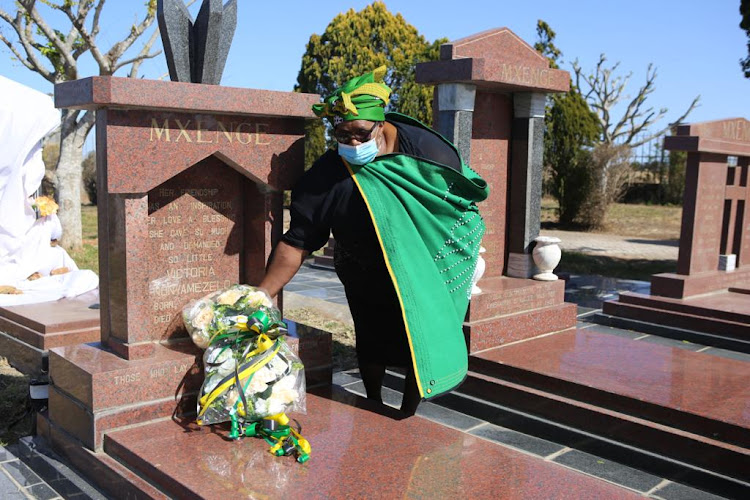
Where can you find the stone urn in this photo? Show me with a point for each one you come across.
(546, 256)
(478, 272)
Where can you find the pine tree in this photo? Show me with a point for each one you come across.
(571, 128)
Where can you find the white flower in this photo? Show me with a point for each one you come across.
(285, 383)
(278, 366)
(210, 383)
(258, 298)
(231, 399)
(260, 380)
(275, 405)
(261, 407)
(200, 338)
(284, 396)
(226, 367)
(229, 297)
(217, 354)
(283, 391)
(203, 318)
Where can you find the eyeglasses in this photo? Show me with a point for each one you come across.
(345, 137)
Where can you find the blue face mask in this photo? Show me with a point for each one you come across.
(359, 155)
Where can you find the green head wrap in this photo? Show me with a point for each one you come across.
(361, 98)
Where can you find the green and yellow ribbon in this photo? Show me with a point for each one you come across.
(361, 98)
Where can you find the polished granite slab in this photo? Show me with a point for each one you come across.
(359, 450)
(695, 383)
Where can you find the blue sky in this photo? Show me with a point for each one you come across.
(694, 44)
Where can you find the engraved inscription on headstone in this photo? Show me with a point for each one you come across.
(195, 231)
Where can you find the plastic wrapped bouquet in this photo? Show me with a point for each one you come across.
(250, 371)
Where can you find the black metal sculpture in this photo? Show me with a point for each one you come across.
(196, 51)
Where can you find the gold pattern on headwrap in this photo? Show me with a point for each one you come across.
(365, 95)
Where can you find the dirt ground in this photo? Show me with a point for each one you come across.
(14, 387)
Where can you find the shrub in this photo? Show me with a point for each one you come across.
(610, 169)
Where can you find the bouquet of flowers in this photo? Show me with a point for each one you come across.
(250, 371)
(45, 205)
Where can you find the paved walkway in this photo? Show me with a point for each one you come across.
(612, 245)
(321, 289)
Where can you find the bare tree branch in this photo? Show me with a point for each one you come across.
(49, 33)
(136, 61)
(31, 61)
(119, 48)
(603, 91)
(679, 120)
(97, 14)
(86, 123)
(18, 55)
(78, 22)
(143, 55)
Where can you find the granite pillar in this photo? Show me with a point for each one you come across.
(454, 114)
(508, 80)
(527, 148)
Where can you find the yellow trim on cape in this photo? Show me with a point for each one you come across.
(393, 276)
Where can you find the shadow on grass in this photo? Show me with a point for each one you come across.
(613, 267)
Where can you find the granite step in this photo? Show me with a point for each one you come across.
(651, 474)
(499, 330)
(656, 312)
(48, 340)
(657, 448)
(359, 450)
(503, 296)
(109, 475)
(671, 332)
(684, 405)
(732, 306)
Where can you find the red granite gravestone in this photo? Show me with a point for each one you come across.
(710, 292)
(27, 332)
(190, 201)
(489, 100)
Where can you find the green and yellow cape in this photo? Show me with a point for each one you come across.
(429, 228)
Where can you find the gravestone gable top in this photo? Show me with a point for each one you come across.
(496, 58)
(730, 137)
(155, 129)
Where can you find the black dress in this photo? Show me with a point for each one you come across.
(326, 199)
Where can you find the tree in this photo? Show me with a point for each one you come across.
(603, 89)
(357, 42)
(745, 25)
(545, 43)
(571, 130)
(54, 54)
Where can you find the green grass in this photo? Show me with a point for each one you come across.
(641, 221)
(89, 218)
(644, 221)
(87, 257)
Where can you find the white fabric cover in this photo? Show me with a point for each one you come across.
(26, 117)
